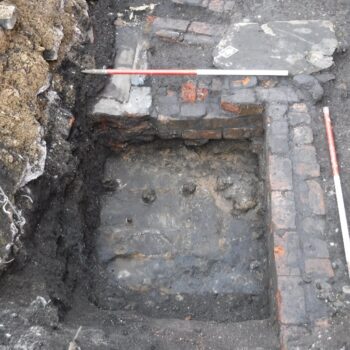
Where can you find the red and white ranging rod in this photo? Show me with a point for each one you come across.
(338, 187)
(189, 72)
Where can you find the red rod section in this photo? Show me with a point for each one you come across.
(331, 142)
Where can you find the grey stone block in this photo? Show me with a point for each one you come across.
(138, 105)
(311, 85)
(168, 105)
(193, 110)
(297, 46)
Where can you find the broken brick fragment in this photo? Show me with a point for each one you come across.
(202, 94)
(189, 92)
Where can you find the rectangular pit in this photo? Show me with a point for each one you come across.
(182, 231)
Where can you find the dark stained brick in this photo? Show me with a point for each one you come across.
(321, 268)
(202, 134)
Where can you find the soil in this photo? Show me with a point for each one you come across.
(57, 262)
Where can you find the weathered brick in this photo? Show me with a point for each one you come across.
(193, 39)
(316, 198)
(296, 118)
(287, 254)
(242, 133)
(304, 161)
(169, 35)
(314, 226)
(290, 300)
(302, 135)
(278, 144)
(196, 110)
(279, 128)
(315, 247)
(282, 210)
(321, 268)
(216, 5)
(189, 92)
(205, 28)
(290, 337)
(171, 24)
(316, 309)
(280, 173)
(202, 134)
(242, 103)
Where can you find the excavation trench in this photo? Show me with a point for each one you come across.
(182, 231)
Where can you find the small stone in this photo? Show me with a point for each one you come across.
(189, 188)
(193, 39)
(223, 183)
(346, 290)
(307, 278)
(149, 196)
(254, 265)
(110, 185)
(169, 35)
(8, 16)
(51, 53)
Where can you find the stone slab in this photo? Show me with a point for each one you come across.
(298, 46)
(139, 104)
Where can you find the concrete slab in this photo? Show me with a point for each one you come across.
(298, 46)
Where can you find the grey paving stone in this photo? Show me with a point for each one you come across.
(8, 16)
(315, 247)
(311, 45)
(125, 57)
(278, 144)
(279, 128)
(241, 96)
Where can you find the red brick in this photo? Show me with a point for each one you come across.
(319, 267)
(242, 133)
(243, 109)
(189, 92)
(202, 134)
